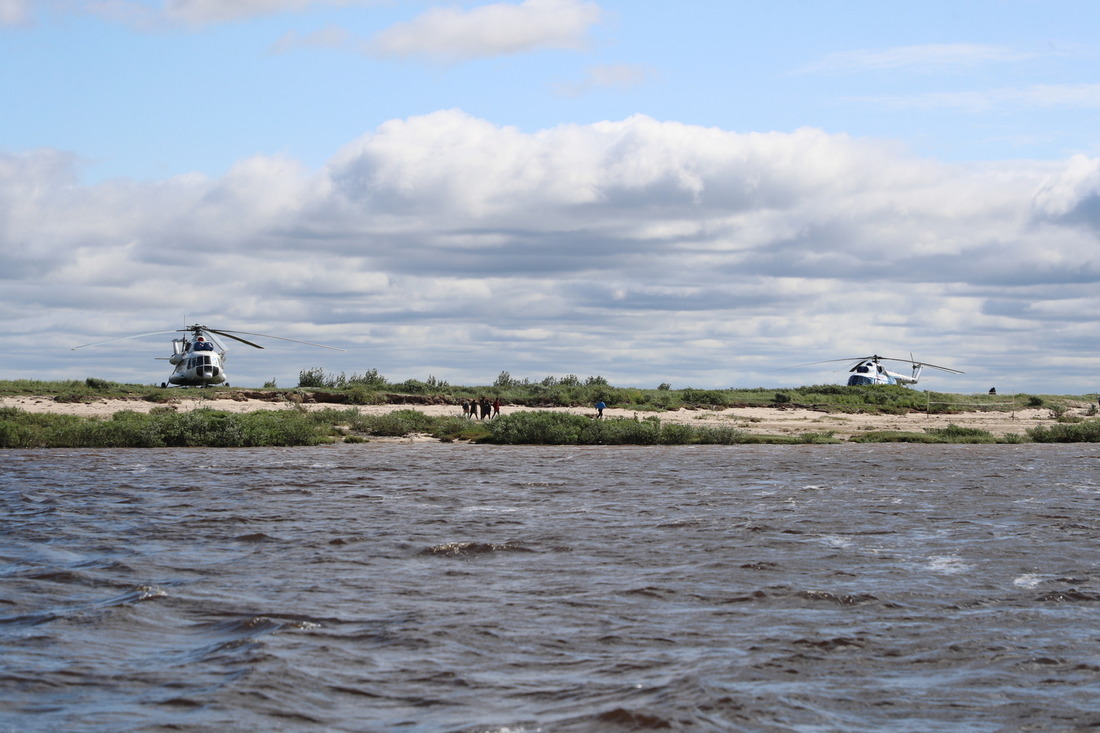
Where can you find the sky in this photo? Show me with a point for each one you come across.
(703, 194)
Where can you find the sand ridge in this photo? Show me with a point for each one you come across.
(779, 420)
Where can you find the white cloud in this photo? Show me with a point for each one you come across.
(1073, 196)
(14, 12)
(612, 76)
(200, 12)
(452, 34)
(642, 250)
(924, 58)
(328, 37)
(197, 13)
(1037, 96)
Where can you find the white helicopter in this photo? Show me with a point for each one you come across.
(868, 370)
(200, 360)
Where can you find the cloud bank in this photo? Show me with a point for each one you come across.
(641, 250)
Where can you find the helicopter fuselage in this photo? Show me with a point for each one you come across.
(871, 372)
(198, 363)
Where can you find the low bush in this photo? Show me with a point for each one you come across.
(129, 429)
(537, 428)
(1081, 432)
(957, 434)
(395, 424)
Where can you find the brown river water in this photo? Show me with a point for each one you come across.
(433, 587)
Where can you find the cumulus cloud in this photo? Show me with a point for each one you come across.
(642, 250)
(1073, 196)
(453, 34)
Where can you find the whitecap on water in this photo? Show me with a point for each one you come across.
(1027, 580)
(948, 565)
(490, 509)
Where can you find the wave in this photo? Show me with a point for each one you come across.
(466, 549)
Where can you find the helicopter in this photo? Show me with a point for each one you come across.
(868, 370)
(199, 359)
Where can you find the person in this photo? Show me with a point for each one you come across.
(496, 407)
(599, 409)
(465, 408)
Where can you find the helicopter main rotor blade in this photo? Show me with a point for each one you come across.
(235, 338)
(831, 361)
(120, 338)
(876, 358)
(942, 369)
(269, 336)
(922, 363)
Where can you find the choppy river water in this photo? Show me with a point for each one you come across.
(392, 587)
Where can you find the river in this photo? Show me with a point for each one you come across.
(441, 587)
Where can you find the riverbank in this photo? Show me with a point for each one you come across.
(780, 420)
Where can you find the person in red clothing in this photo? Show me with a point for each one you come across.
(496, 407)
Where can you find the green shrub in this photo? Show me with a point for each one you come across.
(312, 378)
(957, 434)
(537, 428)
(676, 434)
(1082, 432)
(619, 432)
(395, 424)
(894, 436)
(129, 429)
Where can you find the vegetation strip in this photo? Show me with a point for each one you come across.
(164, 426)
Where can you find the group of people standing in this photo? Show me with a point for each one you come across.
(487, 410)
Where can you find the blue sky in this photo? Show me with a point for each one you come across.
(697, 193)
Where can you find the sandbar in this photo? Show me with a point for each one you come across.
(779, 420)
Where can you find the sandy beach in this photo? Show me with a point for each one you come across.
(759, 420)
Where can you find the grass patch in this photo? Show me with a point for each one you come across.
(893, 436)
(160, 429)
(958, 434)
(370, 388)
(560, 428)
(949, 434)
(162, 426)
